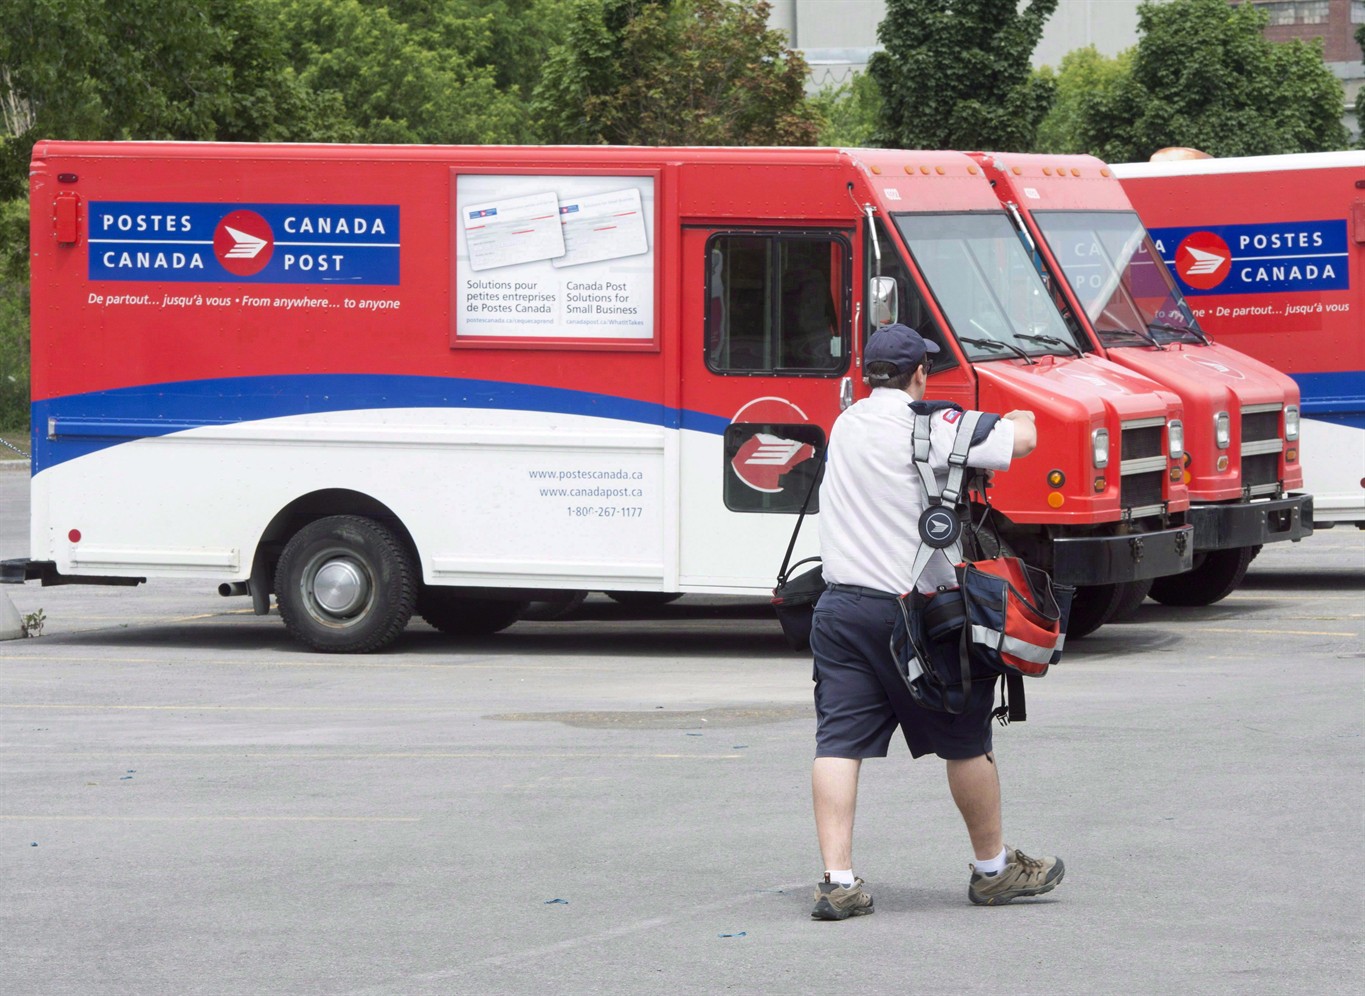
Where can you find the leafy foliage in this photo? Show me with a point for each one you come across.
(1085, 83)
(674, 72)
(409, 71)
(14, 338)
(956, 74)
(1360, 94)
(850, 112)
(1202, 75)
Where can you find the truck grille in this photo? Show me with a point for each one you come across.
(1257, 425)
(1261, 449)
(1141, 442)
(1261, 470)
(1143, 466)
(1140, 490)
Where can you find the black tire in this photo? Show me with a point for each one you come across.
(456, 614)
(1091, 607)
(545, 611)
(1213, 578)
(345, 585)
(643, 599)
(1131, 596)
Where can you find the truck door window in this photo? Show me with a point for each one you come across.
(1117, 276)
(986, 284)
(777, 303)
(914, 310)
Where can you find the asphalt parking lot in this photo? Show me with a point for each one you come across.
(619, 803)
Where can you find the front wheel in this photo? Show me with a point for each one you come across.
(345, 585)
(1092, 606)
(1131, 597)
(1212, 579)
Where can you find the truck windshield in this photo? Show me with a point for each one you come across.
(986, 285)
(1120, 281)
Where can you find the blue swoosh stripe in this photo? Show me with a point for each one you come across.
(87, 423)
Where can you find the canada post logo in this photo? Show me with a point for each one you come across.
(354, 244)
(764, 459)
(1257, 259)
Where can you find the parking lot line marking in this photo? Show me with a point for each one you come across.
(204, 707)
(453, 666)
(1276, 632)
(212, 819)
(284, 754)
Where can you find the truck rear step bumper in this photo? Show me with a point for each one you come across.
(21, 570)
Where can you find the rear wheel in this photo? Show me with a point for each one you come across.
(643, 599)
(456, 614)
(1213, 578)
(345, 584)
(1092, 606)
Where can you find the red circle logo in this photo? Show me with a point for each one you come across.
(1203, 260)
(243, 243)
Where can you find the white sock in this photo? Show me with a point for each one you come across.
(991, 866)
(844, 877)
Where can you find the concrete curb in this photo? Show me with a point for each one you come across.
(11, 626)
(14, 465)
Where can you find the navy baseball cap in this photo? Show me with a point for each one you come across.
(897, 344)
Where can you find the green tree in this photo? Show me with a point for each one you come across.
(956, 74)
(674, 72)
(1085, 81)
(13, 313)
(850, 112)
(1360, 94)
(1204, 76)
(147, 69)
(425, 79)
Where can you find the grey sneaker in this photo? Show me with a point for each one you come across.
(1023, 876)
(839, 902)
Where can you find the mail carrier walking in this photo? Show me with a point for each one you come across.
(871, 502)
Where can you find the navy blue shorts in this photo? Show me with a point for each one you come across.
(860, 696)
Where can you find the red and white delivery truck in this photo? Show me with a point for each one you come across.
(1241, 415)
(377, 380)
(1270, 253)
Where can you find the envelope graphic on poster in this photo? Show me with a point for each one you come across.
(513, 230)
(602, 226)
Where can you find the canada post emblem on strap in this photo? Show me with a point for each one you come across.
(353, 244)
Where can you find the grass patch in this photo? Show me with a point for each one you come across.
(15, 437)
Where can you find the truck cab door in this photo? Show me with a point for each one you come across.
(767, 331)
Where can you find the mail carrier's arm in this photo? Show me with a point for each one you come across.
(1025, 432)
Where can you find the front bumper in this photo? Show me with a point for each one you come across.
(1092, 560)
(1255, 523)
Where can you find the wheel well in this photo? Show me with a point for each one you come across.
(311, 507)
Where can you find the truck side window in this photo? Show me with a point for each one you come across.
(913, 310)
(777, 303)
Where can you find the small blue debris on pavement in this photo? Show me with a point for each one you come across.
(742, 933)
(552, 902)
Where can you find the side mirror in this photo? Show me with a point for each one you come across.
(884, 306)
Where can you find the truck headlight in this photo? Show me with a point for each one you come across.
(1291, 422)
(1175, 438)
(1222, 430)
(1099, 448)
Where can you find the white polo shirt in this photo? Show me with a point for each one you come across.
(871, 496)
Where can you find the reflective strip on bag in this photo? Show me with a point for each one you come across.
(1031, 652)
